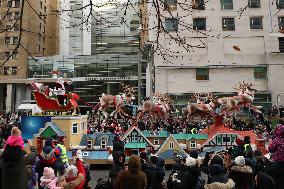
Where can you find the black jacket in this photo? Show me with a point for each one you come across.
(276, 171)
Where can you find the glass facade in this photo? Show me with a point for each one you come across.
(115, 58)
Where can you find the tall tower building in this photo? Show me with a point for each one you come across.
(28, 28)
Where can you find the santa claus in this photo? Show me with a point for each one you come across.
(60, 90)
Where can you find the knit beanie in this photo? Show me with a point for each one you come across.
(190, 162)
(15, 131)
(193, 154)
(240, 161)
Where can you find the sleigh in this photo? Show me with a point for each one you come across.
(52, 105)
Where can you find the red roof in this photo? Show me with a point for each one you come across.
(222, 129)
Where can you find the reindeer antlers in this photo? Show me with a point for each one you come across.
(127, 88)
(243, 86)
(163, 97)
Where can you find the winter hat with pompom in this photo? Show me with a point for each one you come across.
(240, 161)
(190, 162)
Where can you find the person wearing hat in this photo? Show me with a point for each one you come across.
(149, 169)
(240, 173)
(14, 162)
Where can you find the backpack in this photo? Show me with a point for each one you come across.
(104, 184)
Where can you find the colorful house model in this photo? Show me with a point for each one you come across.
(191, 141)
(135, 141)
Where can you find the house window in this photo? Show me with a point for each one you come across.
(8, 27)
(90, 144)
(226, 139)
(85, 154)
(192, 144)
(254, 3)
(9, 3)
(171, 24)
(260, 73)
(103, 144)
(75, 128)
(156, 141)
(281, 44)
(198, 4)
(199, 23)
(7, 40)
(280, 4)
(256, 23)
(15, 40)
(170, 5)
(171, 145)
(17, 3)
(202, 74)
(16, 27)
(226, 4)
(281, 23)
(228, 24)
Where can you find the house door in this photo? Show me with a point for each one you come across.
(135, 151)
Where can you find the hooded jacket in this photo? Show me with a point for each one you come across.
(277, 145)
(241, 175)
(219, 185)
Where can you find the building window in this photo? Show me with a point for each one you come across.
(9, 3)
(9, 15)
(17, 14)
(171, 24)
(254, 3)
(17, 3)
(281, 23)
(256, 23)
(8, 27)
(198, 4)
(17, 27)
(15, 56)
(45, 9)
(192, 144)
(171, 145)
(7, 54)
(199, 23)
(156, 141)
(260, 73)
(40, 5)
(15, 40)
(10, 70)
(103, 144)
(281, 44)
(228, 24)
(0, 3)
(170, 5)
(43, 51)
(202, 74)
(226, 139)
(280, 4)
(7, 40)
(39, 48)
(75, 128)
(226, 4)
(44, 30)
(90, 144)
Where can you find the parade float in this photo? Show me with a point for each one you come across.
(97, 148)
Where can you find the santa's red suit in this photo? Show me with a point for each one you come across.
(60, 90)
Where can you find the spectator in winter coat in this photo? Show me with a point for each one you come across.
(190, 175)
(264, 181)
(75, 176)
(118, 165)
(218, 178)
(14, 165)
(277, 145)
(149, 169)
(241, 174)
(133, 177)
(160, 171)
(276, 170)
(49, 180)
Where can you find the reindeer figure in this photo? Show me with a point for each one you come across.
(245, 97)
(161, 105)
(202, 105)
(117, 101)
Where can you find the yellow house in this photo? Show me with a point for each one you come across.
(73, 126)
(169, 148)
